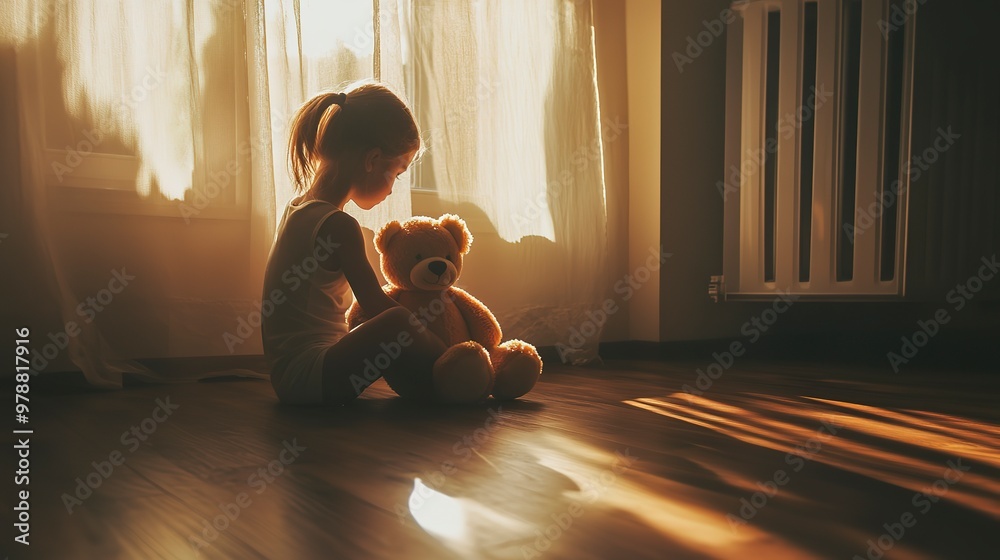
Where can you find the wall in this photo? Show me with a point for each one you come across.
(610, 27)
(644, 216)
(693, 128)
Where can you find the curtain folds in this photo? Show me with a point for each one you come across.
(504, 91)
(298, 48)
(507, 94)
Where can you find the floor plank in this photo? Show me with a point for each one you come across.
(610, 462)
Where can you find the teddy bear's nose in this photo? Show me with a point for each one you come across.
(437, 267)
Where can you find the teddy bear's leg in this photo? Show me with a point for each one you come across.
(517, 366)
(463, 374)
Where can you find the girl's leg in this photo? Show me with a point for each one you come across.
(393, 343)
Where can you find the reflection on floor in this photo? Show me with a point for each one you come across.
(616, 462)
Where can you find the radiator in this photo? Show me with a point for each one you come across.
(818, 166)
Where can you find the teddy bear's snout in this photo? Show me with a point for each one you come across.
(434, 273)
(437, 267)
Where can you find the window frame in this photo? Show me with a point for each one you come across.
(104, 183)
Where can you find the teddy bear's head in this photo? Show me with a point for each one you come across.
(423, 253)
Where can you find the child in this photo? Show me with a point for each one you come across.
(343, 147)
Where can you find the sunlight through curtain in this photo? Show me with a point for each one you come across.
(164, 102)
(132, 71)
(298, 48)
(506, 92)
(127, 88)
(124, 77)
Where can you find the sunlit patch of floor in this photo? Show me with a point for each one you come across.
(437, 513)
(851, 447)
(461, 524)
(604, 482)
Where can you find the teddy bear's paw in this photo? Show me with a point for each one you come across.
(517, 365)
(463, 374)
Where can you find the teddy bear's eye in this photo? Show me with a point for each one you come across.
(419, 258)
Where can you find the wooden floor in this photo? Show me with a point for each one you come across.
(772, 461)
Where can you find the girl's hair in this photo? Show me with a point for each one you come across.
(330, 125)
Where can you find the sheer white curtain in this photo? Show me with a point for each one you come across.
(125, 81)
(505, 92)
(298, 48)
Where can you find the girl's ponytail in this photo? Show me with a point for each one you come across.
(308, 126)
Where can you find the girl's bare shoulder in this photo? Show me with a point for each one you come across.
(341, 227)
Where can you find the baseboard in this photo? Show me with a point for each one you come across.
(958, 349)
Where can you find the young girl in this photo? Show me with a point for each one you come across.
(343, 147)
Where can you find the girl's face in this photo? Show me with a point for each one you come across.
(378, 177)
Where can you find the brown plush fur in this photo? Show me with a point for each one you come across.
(421, 259)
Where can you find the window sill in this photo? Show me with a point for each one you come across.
(95, 200)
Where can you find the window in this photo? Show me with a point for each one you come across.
(156, 128)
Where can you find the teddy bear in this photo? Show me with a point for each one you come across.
(421, 259)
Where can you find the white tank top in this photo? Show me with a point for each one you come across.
(309, 302)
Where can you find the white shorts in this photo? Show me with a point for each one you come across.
(301, 380)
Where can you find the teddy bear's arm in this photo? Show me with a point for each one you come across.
(483, 326)
(356, 314)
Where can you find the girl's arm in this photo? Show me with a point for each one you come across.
(342, 232)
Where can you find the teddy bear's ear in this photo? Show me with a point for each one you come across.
(457, 228)
(385, 234)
